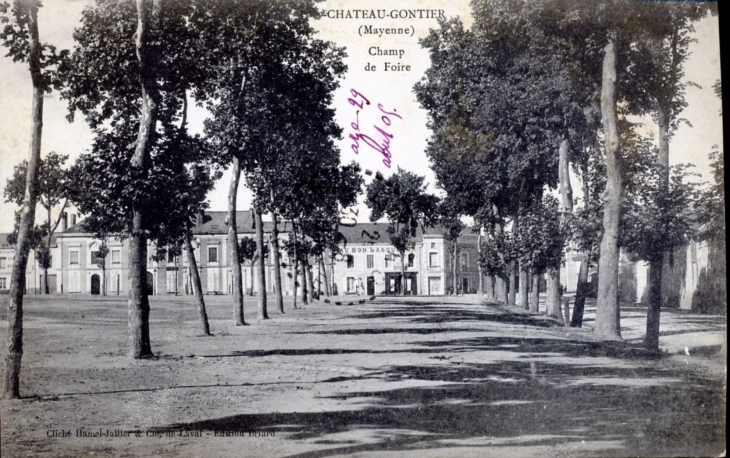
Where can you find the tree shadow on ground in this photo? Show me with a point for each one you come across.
(536, 401)
(429, 314)
(535, 391)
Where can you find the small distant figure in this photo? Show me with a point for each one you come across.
(334, 289)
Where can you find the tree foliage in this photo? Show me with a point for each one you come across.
(402, 200)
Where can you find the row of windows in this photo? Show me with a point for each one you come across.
(3, 283)
(433, 260)
(370, 259)
(212, 256)
(95, 258)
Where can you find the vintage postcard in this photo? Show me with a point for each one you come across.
(424, 228)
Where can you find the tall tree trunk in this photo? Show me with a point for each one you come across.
(581, 290)
(554, 308)
(277, 263)
(535, 293)
(305, 288)
(310, 282)
(197, 287)
(501, 287)
(296, 266)
(51, 230)
(651, 341)
(580, 296)
(253, 277)
(323, 268)
(479, 264)
(656, 264)
(512, 282)
(403, 273)
(455, 279)
(237, 276)
(607, 305)
(11, 389)
(524, 288)
(138, 303)
(261, 272)
(552, 298)
(499, 284)
(46, 289)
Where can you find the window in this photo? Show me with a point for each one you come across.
(464, 257)
(3, 264)
(73, 282)
(116, 256)
(411, 257)
(371, 261)
(213, 280)
(170, 257)
(73, 258)
(433, 259)
(3, 282)
(351, 284)
(171, 281)
(95, 258)
(212, 254)
(350, 261)
(433, 245)
(388, 260)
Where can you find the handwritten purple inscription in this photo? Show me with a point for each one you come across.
(381, 142)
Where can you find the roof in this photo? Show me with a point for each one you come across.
(369, 233)
(214, 222)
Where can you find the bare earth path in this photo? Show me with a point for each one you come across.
(418, 377)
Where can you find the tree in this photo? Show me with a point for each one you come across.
(453, 227)
(247, 252)
(20, 36)
(661, 55)
(501, 101)
(658, 218)
(101, 255)
(123, 85)
(539, 243)
(275, 88)
(712, 295)
(403, 201)
(318, 193)
(585, 226)
(52, 188)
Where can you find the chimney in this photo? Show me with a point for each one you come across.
(199, 219)
(64, 222)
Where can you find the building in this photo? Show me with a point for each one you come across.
(368, 263)
(80, 270)
(7, 257)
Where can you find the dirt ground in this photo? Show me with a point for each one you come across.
(414, 377)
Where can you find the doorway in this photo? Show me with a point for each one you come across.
(95, 285)
(371, 286)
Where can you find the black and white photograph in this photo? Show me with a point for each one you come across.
(362, 228)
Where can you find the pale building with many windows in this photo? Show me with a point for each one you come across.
(367, 264)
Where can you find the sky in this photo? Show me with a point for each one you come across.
(393, 107)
